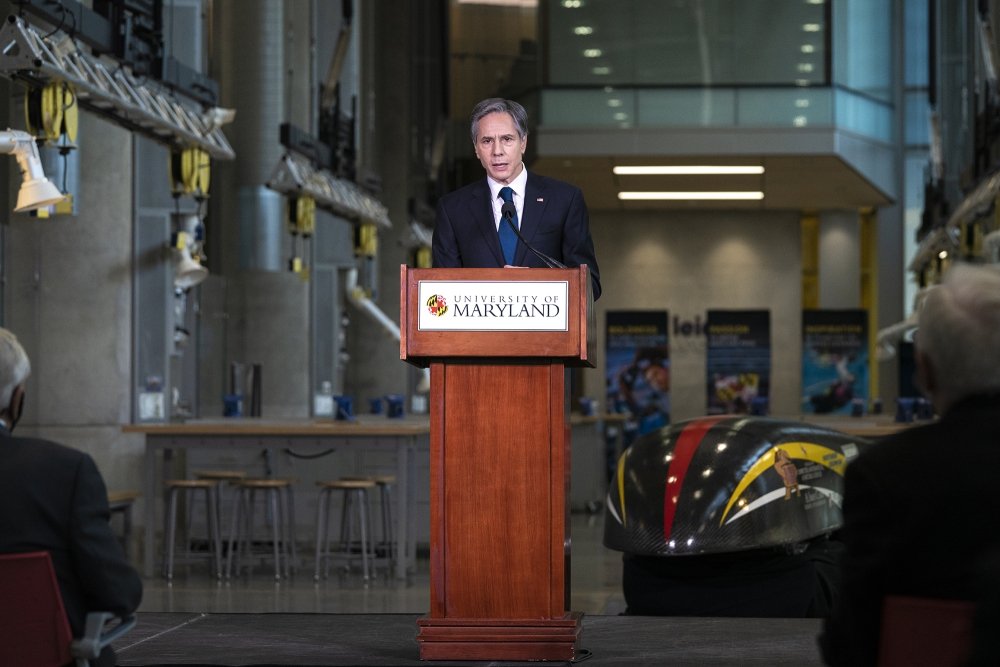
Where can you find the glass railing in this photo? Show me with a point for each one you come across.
(745, 107)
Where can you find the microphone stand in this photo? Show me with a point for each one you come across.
(507, 212)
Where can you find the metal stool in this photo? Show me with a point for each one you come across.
(277, 494)
(190, 487)
(226, 479)
(386, 543)
(356, 498)
(290, 506)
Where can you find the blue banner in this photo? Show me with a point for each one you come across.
(637, 358)
(738, 361)
(834, 361)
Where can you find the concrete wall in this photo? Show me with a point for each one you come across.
(385, 132)
(839, 257)
(68, 298)
(689, 262)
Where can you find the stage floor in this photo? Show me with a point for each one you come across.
(390, 639)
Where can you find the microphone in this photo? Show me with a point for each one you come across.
(507, 212)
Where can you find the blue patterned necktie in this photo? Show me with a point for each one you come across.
(508, 239)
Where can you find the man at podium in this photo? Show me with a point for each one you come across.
(513, 218)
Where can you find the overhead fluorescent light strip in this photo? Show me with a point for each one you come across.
(685, 170)
(692, 196)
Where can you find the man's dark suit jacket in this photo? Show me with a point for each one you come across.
(52, 498)
(554, 220)
(920, 514)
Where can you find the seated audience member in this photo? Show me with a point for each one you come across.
(52, 498)
(919, 506)
(985, 649)
(730, 516)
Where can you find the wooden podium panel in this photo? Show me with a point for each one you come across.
(499, 477)
(499, 559)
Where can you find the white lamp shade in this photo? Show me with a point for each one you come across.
(37, 193)
(187, 272)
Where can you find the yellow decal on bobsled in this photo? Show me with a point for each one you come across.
(803, 451)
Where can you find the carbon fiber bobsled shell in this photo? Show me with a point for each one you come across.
(727, 484)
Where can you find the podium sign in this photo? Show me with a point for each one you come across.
(460, 305)
(499, 455)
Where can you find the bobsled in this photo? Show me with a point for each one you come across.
(726, 484)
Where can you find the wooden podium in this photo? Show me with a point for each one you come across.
(498, 342)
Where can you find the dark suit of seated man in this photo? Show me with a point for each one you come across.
(52, 498)
(920, 506)
(552, 215)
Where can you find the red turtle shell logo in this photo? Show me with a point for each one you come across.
(437, 305)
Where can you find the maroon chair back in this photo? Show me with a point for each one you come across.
(33, 625)
(925, 631)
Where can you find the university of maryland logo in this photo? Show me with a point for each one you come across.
(437, 305)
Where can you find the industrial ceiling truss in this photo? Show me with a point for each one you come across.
(295, 175)
(110, 89)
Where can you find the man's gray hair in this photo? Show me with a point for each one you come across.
(959, 332)
(500, 105)
(14, 366)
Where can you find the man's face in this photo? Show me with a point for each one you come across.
(499, 147)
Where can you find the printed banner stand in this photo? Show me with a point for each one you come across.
(835, 361)
(738, 361)
(637, 363)
(498, 342)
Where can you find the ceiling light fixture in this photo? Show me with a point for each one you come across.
(686, 170)
(693, 196)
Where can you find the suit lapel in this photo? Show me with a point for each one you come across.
(480, 210)
(534, 207)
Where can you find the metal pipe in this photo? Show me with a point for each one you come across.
(360, 299)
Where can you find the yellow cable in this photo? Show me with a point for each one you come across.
(71, 112)
(422, 257)
(305, 215)
(52, 109)
(367, 240)
(204, 171)
(189, 170)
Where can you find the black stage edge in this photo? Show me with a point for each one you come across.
(390, 639)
